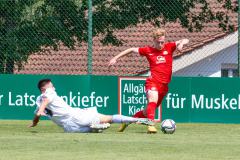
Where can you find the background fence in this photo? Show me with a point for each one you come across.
(81, 36)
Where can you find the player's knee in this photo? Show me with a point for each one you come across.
(153, 98)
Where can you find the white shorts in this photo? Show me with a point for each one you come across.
(81, 119)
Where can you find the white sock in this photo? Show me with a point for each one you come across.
(123, 119)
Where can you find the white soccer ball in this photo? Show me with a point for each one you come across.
(168, 126)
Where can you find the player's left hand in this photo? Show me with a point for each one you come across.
(180, 47)
(32, 125)
(112, 62)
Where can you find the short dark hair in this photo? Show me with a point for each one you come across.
(42, 83)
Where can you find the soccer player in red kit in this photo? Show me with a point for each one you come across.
(160, 57)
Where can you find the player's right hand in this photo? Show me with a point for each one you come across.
(112, 62)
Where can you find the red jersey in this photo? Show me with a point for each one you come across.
(160, 61)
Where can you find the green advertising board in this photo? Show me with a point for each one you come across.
(132, 96)
(214, 100)
(18, 93)
(203, 100)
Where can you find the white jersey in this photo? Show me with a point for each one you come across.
(57, 109)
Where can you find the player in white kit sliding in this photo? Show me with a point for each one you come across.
(74, 119)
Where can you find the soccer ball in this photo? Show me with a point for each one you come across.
(168, 126)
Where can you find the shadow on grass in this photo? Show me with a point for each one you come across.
(33, 131)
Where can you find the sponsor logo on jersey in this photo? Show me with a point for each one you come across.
(160, 59)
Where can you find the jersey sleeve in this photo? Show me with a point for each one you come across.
(143, 51)
(172, 46)
(49, 94)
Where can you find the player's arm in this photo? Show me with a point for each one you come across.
(123, 53)
(40, 112)
(181, 43)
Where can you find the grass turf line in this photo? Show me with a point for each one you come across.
(190, 142)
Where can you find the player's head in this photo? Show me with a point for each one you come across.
(158, 37)
(43, 84)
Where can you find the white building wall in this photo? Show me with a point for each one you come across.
(211, 65)
(205, 51)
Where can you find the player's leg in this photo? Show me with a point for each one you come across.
(121, 119)
(91, 115)
(162, 91)
(140, 114)
(151, 107)
(153, 99)
(152, 104)
(152, 96)
(124, 120)
(85, 120)
(91, 118)
(72, 127)
(82, 129)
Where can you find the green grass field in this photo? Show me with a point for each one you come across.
(190, 142)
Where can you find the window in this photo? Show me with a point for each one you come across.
(224, 73)
(229, 70)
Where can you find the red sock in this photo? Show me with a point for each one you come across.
(151, 107)
(139, 115)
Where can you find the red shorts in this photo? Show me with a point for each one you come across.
(162, 88)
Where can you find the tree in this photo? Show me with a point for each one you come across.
(27, 26)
